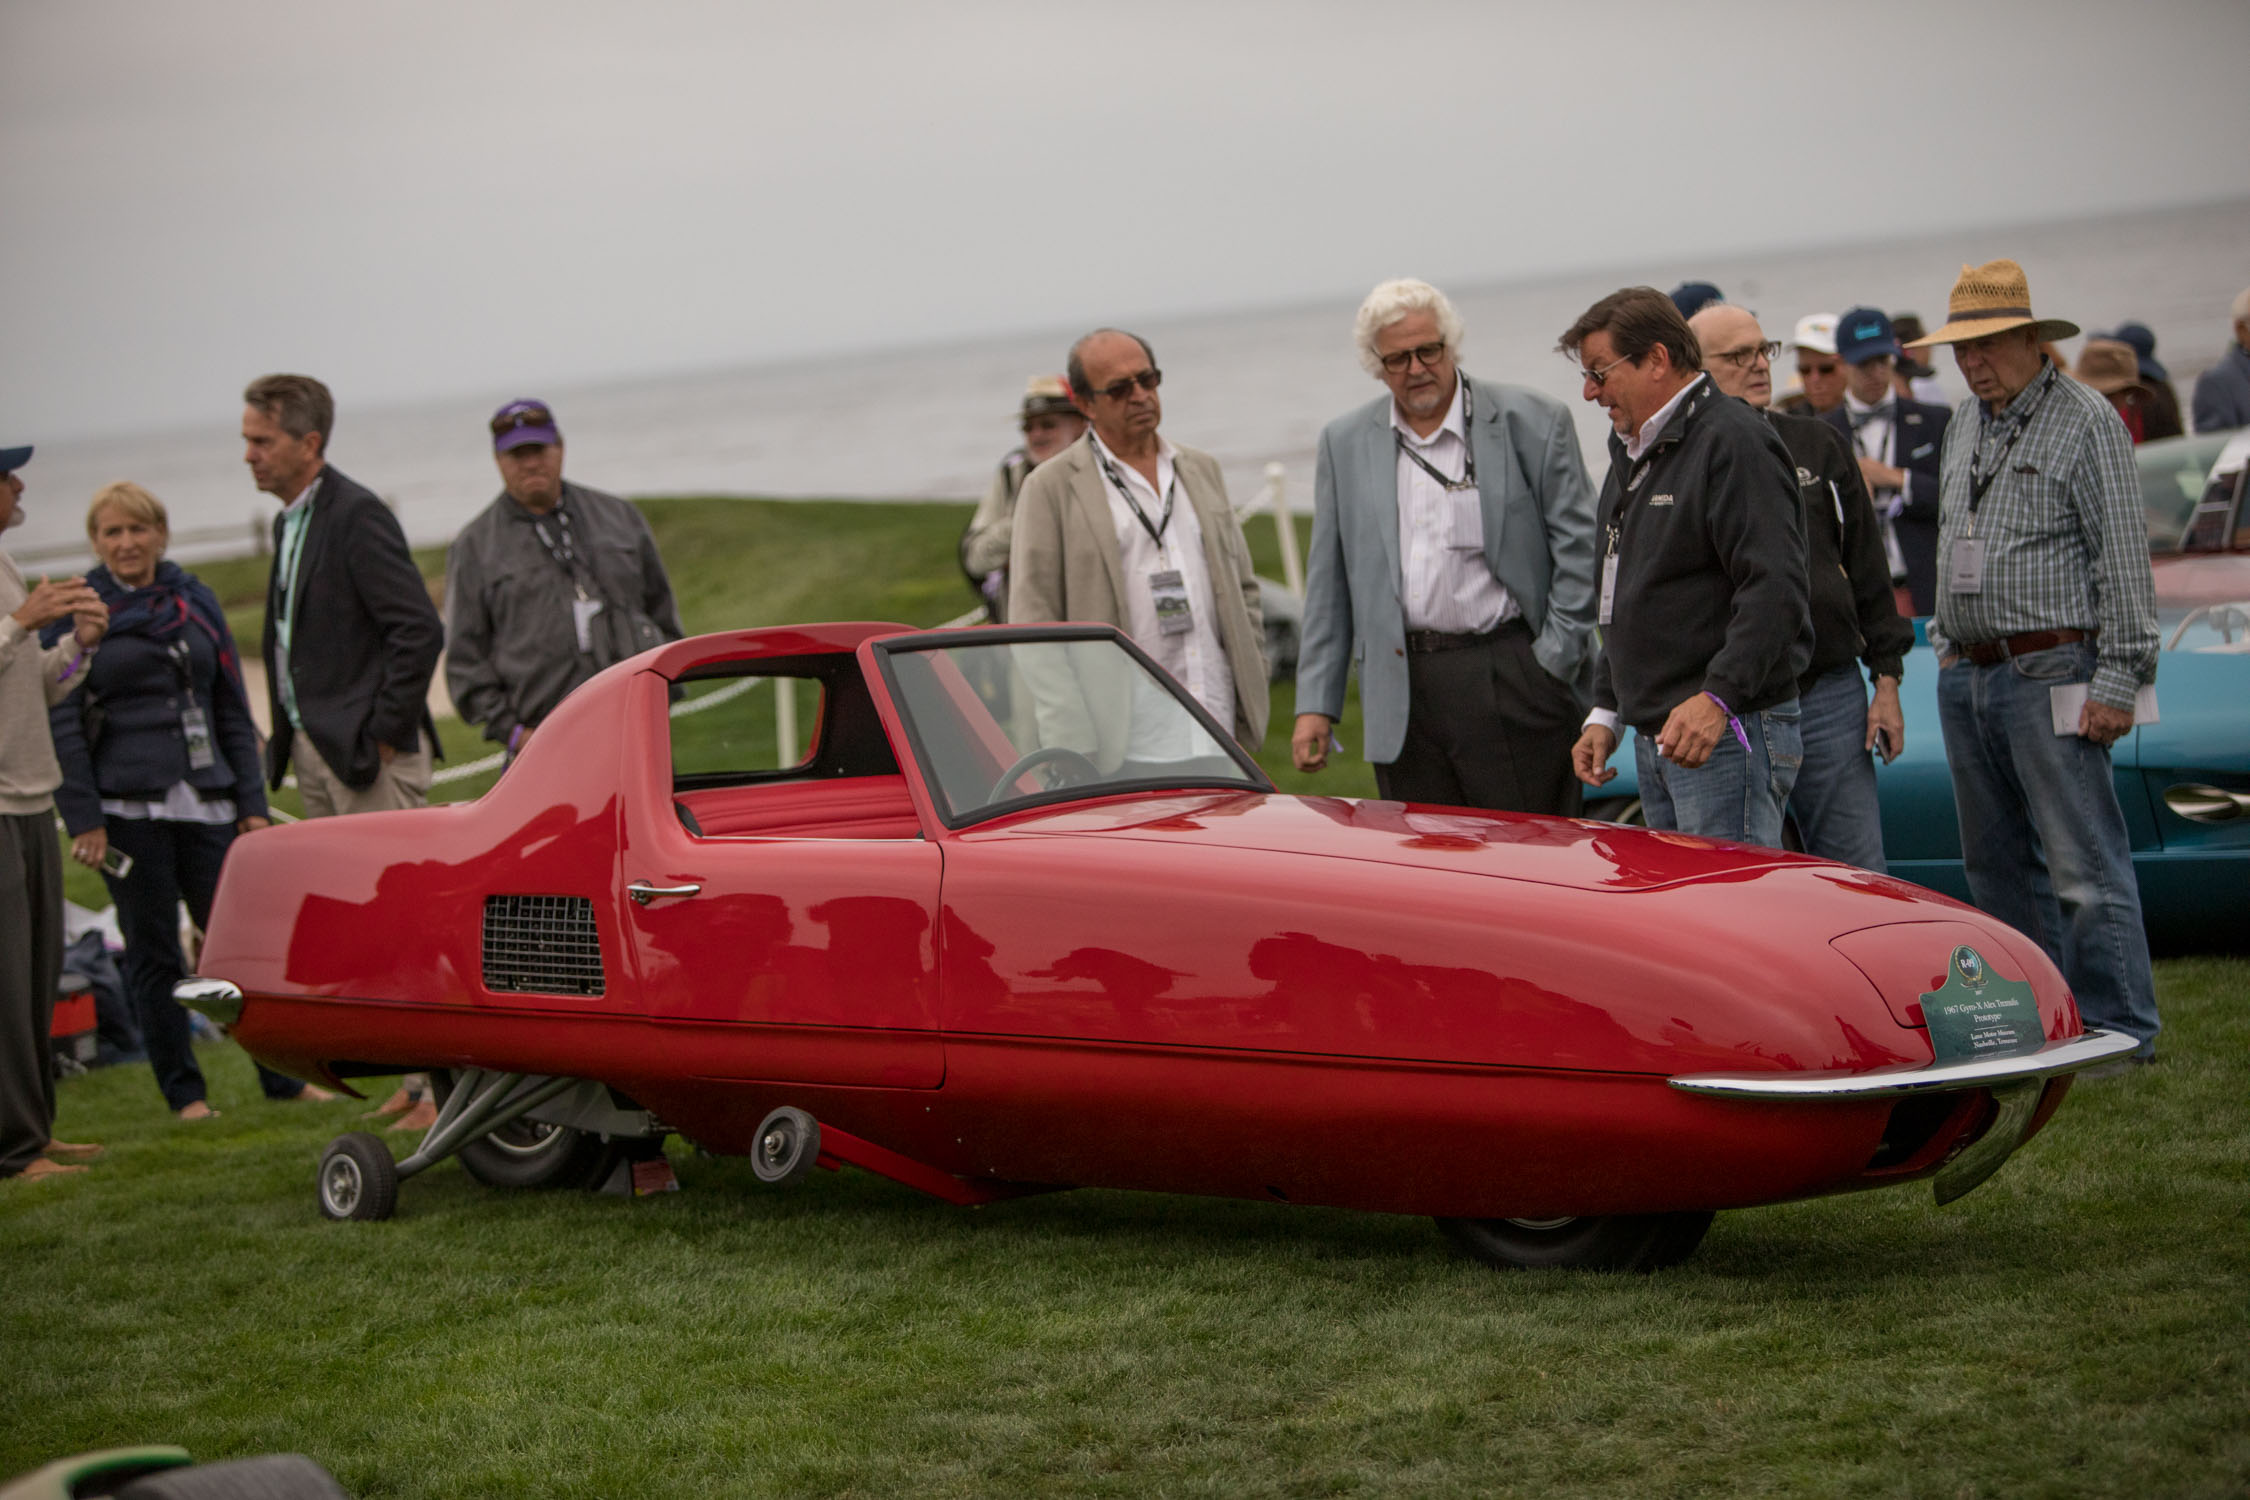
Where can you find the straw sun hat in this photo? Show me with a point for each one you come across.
(1992, 298)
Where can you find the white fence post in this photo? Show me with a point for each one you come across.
(1277, 496)
(785, 720)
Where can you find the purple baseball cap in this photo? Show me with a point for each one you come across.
(521, 423)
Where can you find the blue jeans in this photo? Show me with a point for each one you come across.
(2043, 840)
(1834, 799)
(1736, 794)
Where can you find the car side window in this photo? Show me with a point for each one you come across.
(745, 726)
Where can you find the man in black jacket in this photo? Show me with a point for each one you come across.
(1898, 443)
(1854, 618)
(351, 636)
(1701, 596)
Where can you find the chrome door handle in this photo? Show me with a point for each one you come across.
(2206, 804)
(643, 892)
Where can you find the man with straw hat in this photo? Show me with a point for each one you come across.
(2046, 638)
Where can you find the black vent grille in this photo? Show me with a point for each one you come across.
(542, 945)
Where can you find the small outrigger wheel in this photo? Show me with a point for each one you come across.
(788, 1146)
(358, 1179)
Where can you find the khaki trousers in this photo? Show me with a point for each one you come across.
(405, 782)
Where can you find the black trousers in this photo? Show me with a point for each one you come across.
(172, 862)
(1486, 726)
(30, 964)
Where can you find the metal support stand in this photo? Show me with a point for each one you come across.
(481, 1102)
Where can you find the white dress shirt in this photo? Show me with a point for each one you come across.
(1877, 438)
(1194, 657)
(1446, 583)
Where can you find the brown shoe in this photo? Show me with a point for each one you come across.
(72, 1150)
(41, 1167)
(421, 1117)
(197, 1110)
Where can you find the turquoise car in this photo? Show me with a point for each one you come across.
(2183, 781)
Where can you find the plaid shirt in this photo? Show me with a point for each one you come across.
(2065, 542)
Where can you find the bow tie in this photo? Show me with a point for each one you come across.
(1882, 413)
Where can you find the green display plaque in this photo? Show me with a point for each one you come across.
(1976, 1013)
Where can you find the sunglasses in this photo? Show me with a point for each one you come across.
(1428, 354)
(1821, 367)
(1117, 390)
(1750, 354)
(1599, 378)
(530, 416)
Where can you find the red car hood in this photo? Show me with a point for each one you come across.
(1516, 846)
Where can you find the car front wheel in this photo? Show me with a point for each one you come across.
(1611, 1242)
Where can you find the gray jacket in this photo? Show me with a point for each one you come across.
(1538, 539)
(511, 636)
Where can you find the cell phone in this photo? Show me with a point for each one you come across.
(116, 862)
(1883, 746)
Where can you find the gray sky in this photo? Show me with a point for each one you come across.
(413, 199)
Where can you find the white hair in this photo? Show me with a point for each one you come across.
(1392, 301)
(2241, 307)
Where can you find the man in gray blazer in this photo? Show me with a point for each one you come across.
(1453, 561)
(1126, 528)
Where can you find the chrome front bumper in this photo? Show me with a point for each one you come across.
(2015, 1084)
(2056, 1057)
(217, 998)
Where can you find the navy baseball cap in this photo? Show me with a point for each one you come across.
(1691, 297)
(1864, 333)
(12, 459)
(2142, 341)
(519, 424)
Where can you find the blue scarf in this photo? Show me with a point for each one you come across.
(159, 610)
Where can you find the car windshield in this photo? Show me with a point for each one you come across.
(2174, 474)
(1004, 723)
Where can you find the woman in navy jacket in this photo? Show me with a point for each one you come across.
(160, 763)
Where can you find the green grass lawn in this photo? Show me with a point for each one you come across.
(2078, 1326)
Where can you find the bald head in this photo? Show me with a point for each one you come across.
(1734, 351)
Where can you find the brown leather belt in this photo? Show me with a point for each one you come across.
(1992, 653)
(1421, 642)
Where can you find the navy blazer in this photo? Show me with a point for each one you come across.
(1921, 443)
(365, 641)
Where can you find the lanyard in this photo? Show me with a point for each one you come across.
(565, 552)
(1468, 479)
(1979, 483)
(1171, 492)
(293, 528)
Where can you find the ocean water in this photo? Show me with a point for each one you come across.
(1252, 388)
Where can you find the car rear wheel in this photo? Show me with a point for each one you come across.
(527, 1153)
(534, 1154)
(1611, 1242)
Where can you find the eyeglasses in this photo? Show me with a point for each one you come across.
(1428, 354)
(529, 416)
(1599, 378)
(1117, 390)
(1749, 354)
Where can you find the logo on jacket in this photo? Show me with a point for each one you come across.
(1806, 479)
(1660, 499)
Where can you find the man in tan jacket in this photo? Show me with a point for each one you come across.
(1126, 528)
